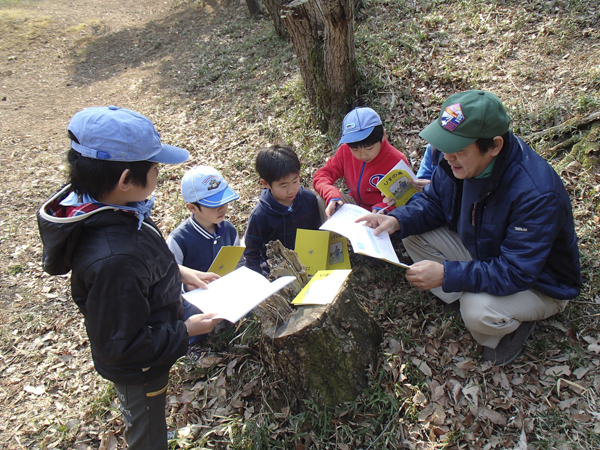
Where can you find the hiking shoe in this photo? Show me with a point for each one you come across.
(450, 309)
(510, 346)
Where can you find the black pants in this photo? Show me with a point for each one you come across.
(143, 409)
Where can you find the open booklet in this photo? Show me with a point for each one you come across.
(227, 260)
(235, 294)
(322, 288)
(322, 250)
(362, 238)
(396, 183)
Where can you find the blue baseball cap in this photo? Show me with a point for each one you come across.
(205, 185)
(358, 125)
(117, 134)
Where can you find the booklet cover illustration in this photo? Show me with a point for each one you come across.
(396, 183)
(322, 250)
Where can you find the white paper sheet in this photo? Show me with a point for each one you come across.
(362, 238)
(235, 294)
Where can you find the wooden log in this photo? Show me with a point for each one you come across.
(321, 353)
(564, 128)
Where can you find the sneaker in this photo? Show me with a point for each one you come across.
(510, 346)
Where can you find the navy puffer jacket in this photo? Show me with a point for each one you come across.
(521, 235)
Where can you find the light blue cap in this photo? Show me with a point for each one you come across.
(358, 125)
(117, 134)
(206, 185)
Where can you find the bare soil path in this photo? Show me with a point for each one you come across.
(57, 57)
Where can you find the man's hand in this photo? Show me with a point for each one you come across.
(380, 222)
(201, 323)
(333, 207)
(196, 279)
(426, 274)
(419, 183)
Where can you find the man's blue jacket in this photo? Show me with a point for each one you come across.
(521, 233)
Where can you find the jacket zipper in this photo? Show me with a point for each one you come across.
(362, 171)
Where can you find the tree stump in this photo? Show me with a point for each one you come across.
(321, 352)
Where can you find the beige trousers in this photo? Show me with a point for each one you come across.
(488, 317)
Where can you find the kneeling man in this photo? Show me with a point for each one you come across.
(493, 231)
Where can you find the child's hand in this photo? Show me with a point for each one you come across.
(196, 279)
(390, 201)
(419, 183)
(201, 323)
(333, 207)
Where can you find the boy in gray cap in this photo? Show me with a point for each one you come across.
(124, 279)
(493, 232)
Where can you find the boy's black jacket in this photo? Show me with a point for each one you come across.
(126, 283)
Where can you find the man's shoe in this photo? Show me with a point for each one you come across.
(510, 346)
(451, 309)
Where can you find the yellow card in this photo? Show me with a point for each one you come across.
(227, 260)
(395, 183)
(322, 288)
(322, 250)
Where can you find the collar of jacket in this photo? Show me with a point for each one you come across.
(274, 207)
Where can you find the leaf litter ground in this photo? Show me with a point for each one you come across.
(222, 85)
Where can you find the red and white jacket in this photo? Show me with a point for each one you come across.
(360, 177)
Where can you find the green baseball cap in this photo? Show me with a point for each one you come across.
(466, 117)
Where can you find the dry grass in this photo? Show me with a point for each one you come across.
(223, 85)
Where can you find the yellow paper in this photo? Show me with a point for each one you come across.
(396, 183)
(322, 288)
(227, 260)
(322, 250)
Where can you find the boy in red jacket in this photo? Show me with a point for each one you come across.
(363, 158)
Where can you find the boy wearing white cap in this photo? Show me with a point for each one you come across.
(124, 279)
(197, 241)
(363, 158)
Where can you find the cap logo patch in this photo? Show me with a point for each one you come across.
(212, 182)
(350, 125)
(452, 117)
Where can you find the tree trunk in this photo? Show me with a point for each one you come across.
(322, 353)
(274, 9)
(253, 7)
(322, 33)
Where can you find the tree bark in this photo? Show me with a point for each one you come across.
(322, 352)
(274, 8)
(253, 7)
(322, 33)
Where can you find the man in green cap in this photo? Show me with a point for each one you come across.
(493, 233)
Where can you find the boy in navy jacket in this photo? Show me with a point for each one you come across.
(197, 241)
(283, 207)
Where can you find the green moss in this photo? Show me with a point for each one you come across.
(332, 364)
(586, 151)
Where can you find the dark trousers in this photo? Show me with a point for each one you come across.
(143, 409)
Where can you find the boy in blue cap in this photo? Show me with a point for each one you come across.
(124, 279)
(197, 241)
(363, 158)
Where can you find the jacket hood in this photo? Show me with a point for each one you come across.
(60, 233)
